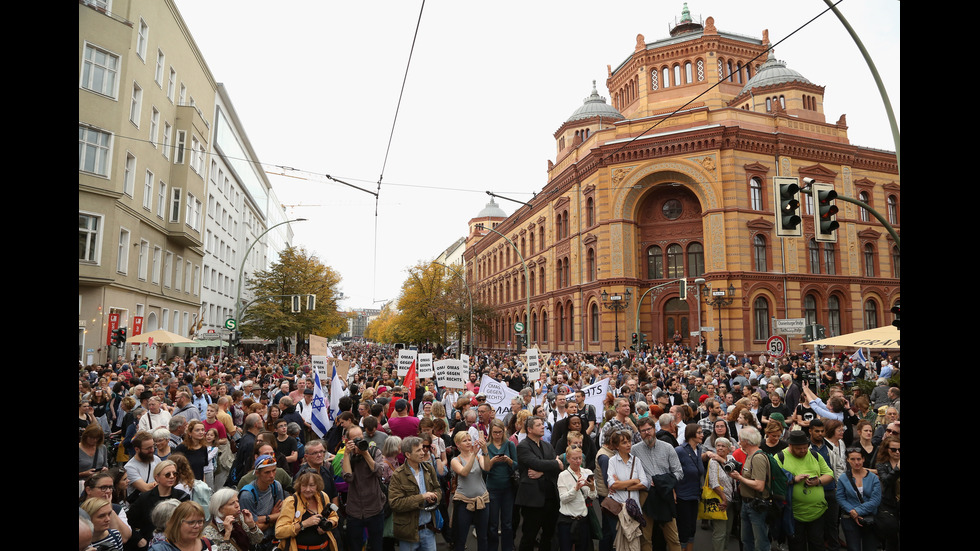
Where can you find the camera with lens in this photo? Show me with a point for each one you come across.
(361, 444)
(325, 523)
(731, 465)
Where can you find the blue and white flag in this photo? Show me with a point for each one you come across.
(336, 391)
(321, 418)
(859, 356)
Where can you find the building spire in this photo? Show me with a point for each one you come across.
(685, 14)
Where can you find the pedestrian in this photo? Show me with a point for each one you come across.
(537, 494)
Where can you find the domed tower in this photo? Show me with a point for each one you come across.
(776, 88)
(594, 115)
(489, 217)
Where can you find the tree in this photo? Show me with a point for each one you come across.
(296, 273)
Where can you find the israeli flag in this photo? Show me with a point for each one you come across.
(321, 418)
(859, 356)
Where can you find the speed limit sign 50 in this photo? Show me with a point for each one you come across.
(776, 346)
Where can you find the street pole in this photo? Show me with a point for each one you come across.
(241, 274)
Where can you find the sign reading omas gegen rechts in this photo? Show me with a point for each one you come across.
(451, 373)
(405, 359)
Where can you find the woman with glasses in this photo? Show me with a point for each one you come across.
(184, 530)
(859, 496)
(889, 471)
(231, 528)
(307, 520)
(100, 486)
(165, 475)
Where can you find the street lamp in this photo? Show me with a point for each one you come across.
(617, 302)
(719, 301)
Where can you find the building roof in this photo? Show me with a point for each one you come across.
(772, 72)
(595, 106)
(492, 210)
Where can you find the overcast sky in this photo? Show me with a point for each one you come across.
(316, 85)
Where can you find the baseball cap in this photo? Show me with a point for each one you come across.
(265, 461)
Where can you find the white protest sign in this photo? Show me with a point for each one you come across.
(533, 366)
(498, 395)
(451, 374)
(405, 360)
(466, 361)
(425, 365)
(595, 394)
(319, 363)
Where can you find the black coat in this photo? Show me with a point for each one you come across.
(534, 493)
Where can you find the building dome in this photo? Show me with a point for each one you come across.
(595, 106)
(772, 72)
(492, 210)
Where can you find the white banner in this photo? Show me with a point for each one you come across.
(595, 394)
(498, 395)
(405, 359)
(451, 374)
(425, 365)
(319, 364)
(533, 365)
(466, 361)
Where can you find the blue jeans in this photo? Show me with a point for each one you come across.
(755, 530)
(501, 516)
(427, 542)
(858, 538)
(463, 519)
(375, 528)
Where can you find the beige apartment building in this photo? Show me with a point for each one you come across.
(145, 109)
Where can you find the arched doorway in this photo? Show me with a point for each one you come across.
(676, 319)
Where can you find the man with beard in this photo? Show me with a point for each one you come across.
(662, 465)
(139, 469)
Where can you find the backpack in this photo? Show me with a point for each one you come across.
(277, 493)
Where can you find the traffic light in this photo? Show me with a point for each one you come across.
(114, 339)
(897, 311)
(311, 302)
(683, 288)
(636, 340)
(825, 212)
(121, 336)
(296, 303)
(788, 221)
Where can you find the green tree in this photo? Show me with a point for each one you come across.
(296, 273)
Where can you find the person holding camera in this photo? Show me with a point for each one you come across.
(363, 466)
(724, 486)
(752, 489)
(307, 518)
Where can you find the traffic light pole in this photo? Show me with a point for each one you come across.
(636, 324)
(867, 207)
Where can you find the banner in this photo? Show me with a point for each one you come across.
(319, 364)
(451, 374)
(320, 419)
(405, 360)
(466, 361)
(343, 368)
(533, 366)
(318, 346)
(498, 395)
(425, 366)
(595, 394)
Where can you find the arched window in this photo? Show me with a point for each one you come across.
(689, 72)
(532, 279)
(833, 316)
(591, 264)
(530, 238)
(863, 212)
(666, 73)
(677, 74)
(760, 311)
(541, 241)
(675, 261)
(768, 105)
(896, 263)
(541, 281)
(870, 314)
(892, 210)
(813, 248)
(507, 293)
(558, 273)
(523, 247)
(571, 322)
(695, 259)
(755, 192)
(782, 102)
(731, 71)
(655, 262)
(565, 224)
(544, 326)
(595, 322)
(810, 309)
(869, 260)
(830, 258)
(558, 227)
(561, 323)
(566, 273)
(739, 72)
(759, 253)
(534, 326)
(589, 212)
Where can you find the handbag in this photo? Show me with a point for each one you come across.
(611, 505)
(594, 523)
(709, 506)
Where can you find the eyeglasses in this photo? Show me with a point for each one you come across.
(321, 452)
(892, 431)
(170, 474)
(199, 522)
(894, 449)
(104, 488)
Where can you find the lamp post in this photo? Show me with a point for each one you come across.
(241, 272)
(720, 300)
(616, 302)
(470, 296)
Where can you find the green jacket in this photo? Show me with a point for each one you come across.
(406, 500)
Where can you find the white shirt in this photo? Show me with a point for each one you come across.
(621, 470)
(572, 501)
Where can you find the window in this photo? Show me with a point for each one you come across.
(187, 277)
(761, 313)
(869, 261)
(93, 150)
(89, 231)
(759, 254)
(589, 212)
(144, 259)
(591, 265)
(175, 205)
(168, 269)
(695, 259)
(571, 322)
(833, 316)
(896, 263)
(158, 75)
(810, 309)
(197, 156)
(541, 280)
(141, 39)
(870, 315)
(148, 190)
(755, 189)
(178, 274)
(171, 84)
(167, 138)
(136, 105)
(541, 243)
(561, 323)
(655, 263)
(675, 261)
(182, 98)
(892, 210)
(154, 127)
(544, 326)
(829, 258)
(179, 147)
(161, 200)
(813, 248)
(197, 279)
(157, 258)
(100, 70)
(566, 273)
(689, 72)
(677, 75)
(193, 212)
(863, 212)
(129, 181)
(595, 323)
(122, 255)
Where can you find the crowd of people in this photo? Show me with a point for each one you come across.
(220, 452)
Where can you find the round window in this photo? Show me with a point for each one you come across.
(672, 209)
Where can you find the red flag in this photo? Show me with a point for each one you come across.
(411, 378)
